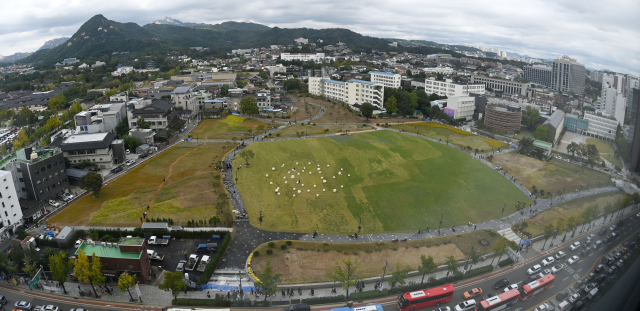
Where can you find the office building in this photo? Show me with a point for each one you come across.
(387, 79)
(600, 126)
(353, 92)
(506, 86)
(460, 107)
(10, 211)
(568, 75)
(128, 255)
(449, 88)
(503, 117)
(631, 132)
(538, 74)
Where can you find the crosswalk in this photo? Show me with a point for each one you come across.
(509, 234)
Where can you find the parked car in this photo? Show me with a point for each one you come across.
(613, 270)
(547, 261)
(181, 264)
(613, 227)
(117, 169)
(562, 295)
(466, 305)
(557, 268)
(590, 276)
(599, 268)
(500, 284)
(574, 246)
(22, 305)
(510, 287)
(127, 151)
(542, 307)
(600, 278)
(442, 309)
(535, 269)
(130, 162)
(560, 254)
(51, 308)
(473, 293)
(620, 263)
(617, 256)
(610, 261)
(573, 259)
(614, 234)
(54, 203)
(68, 196)
(78, 309)
(574, 297)
(298, 307)
(589, 287)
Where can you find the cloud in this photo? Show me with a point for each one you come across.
(600, 34)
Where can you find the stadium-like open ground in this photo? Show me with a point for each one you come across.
(388, 181)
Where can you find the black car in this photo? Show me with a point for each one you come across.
(599, 268)
(490, 295)
(3, 300)
(601, 278)
(620, 223)
(562, 295)
(610, 261)
(607, 239)
(500, 284)
(602, 231)
(529, 280)
(116, 169)
(590, 276)
(298, 307)
(578, 306)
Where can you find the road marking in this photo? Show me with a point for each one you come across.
(565, 279)
(576, 276)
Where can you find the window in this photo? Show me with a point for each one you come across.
(130, 268)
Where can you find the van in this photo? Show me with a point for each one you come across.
(207, 248)
(565, 305)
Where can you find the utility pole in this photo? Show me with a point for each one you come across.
(440, 225)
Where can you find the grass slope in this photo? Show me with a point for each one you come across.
(398, 183)
(455, 136)
(227, 128)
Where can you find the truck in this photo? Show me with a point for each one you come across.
(154, 240)
(153, 255)
(592, 294)
(204, 262)
(191, 263)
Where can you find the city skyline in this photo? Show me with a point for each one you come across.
(595, 33)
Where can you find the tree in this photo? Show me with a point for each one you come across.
(142, 124)
(58, 102)
(88, 271)
(572, 224)
(174, 282)
(347, 275)
(530, 117)
(398, 276)
(249, 106)
(592, 152)
(452, 266)
(122, 129)
(498, 248)
(267, 284)
(45, 141)
(427, 266)
(548, 232)
(125, 281)
(392, 105)
(60, 266)
(30, 267)
(224, 90)
(367, 110)
(247, 155)
(92, 181)
(475, 257)
(73, 111)
(573, 148)
(542, 132)
(131, 142)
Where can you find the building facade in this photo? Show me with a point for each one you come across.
(10, 211)
(507, 86)
(568, 75)
(95, 148)
(575, 124)
(38, 175)
(631, 132)
(601, 127)
(538, 74)
(387, 79)
(306, 57)
(462, 106)
(128, 255)
(353, 92)
(449, 88)
(503, 117)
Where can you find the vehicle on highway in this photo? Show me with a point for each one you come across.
(500, 284)
(465, 305)
(510, 287)
(472, 293)
(530, 279)
(599, 268)
(489, 295)
(347, 307)
(22, 305)
(620, 223)
(547, 261)
(442, 309)
(574, 297)
(54, 203)
(535, 269)
(597, 244)
(557, 268)
(589, 287)
(614, 234)
(536, 287)
(602, 231)
(425, 298)
(545, 272)
(51, 308)
(560, 254)
(573, 259)
(500, 302)
(607, 240)
(590, 236)
(574, 246)
(613, 270)
(298, 307)
(3, 301)
(542, 307)
(584, 252)
(130, 162)
(613, 227)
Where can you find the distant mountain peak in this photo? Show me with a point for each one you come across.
(170, 21)
(50, 44)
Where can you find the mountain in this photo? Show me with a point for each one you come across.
(53, 43)
(14, 57)
(231, 25)
(171, 21)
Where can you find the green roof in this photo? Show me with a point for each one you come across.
(542, 144)
(131, 241)
(103, 251)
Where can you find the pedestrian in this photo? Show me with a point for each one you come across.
(475, 227)
(147, 207)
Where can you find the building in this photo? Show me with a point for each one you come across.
(301, 41)
(158, 112)
(264, 100)
(450, 88)
(506, 86)
(10, 211)
(353, 92)
(568, 75)
(555, 123)
(573, 123)
(539, 74)
(387, 79)
(128, 255)
(306, 57)
(97, 148)
(460, 107)
(631, 132)
(100, 118)
(122, 71)
(183, 97)
(37, 175)
(601, 127)
(438, 70)
(122, 97)
(503, 117)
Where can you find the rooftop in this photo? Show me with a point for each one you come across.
(131, 241)
(362, 81)
(383, 73)
(104, 251)
(85, 138)
(334, 81)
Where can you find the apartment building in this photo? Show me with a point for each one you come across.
(184, 97)
(353, 92)
(538, 74)
(10, 211)
(459, 107)
(507, 86)
(387, 79)
(568, 75)
(449, 88)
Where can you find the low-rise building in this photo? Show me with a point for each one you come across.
(450, 88)
(127, 255)
(601, 127)
(122, 71)
(460, 107)
(387, 79)
(507, 86)
(97, 148)
(184, 97)
(353, 92)
(158, 112)
(503, 117)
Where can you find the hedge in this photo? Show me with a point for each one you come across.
(321, 300)
(218, 301)
(442, 281)
(369, 294)
(505, 262)
(206, 275)
(178, 234)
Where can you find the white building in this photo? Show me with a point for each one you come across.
(96, 148)
(306, 57)
(183, 96)
(387, 79)
(506, 86)
(10, 211)
(353, 92)
(301, 41)
(601, 127)
(462, 106)
(120, 97)
(449, 88)
(122, 71)
(440, 70)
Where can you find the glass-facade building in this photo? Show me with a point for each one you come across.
(630, 147)
(574, 124)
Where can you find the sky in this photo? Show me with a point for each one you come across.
(600, 34)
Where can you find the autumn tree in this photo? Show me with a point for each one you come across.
(88, 270)
(60, 266)
(125, 281)
(57, 102)
(92, 181)
(174, 282)
(249, 106)
(427, 266)
(346, 273)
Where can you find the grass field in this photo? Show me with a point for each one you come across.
(337, 113)
(455, 136)
(228, 128)
(606, 150)
(190, 191)
(572, 208)
(524, 133)
(394, 182)
(550, 176)
(307, 262)
(300, 130)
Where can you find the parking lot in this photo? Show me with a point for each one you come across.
(180, 249)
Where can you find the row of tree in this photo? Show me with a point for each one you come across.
(588, 151)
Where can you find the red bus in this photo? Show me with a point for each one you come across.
(536, 287)
(500, 302)
(425, 298)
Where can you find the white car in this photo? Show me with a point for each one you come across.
(68, 196)
(560, 254)
(557, 268)
(574, 246)
(54, 203)
(130, 162)
(573, 260)
(466, 305)
(542, 307)
(533, 270)
(510, 287)
(574, 297)
(22, 305)
(549, 260)
(127, 151)
(51, 308)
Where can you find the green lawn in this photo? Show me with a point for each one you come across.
(606, 150)
(524, 133)
(229, 127)
(397, 183)
(455, 136)
(299, 130)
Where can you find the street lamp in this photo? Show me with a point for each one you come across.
(384, 271)
(565, 231)
(440, 221)
(503, 206)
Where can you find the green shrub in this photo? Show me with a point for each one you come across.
(289, 243)
(269, 251)
(256, 254)
(283, 246)
(369, 294)
(505, 262)
(271, 244)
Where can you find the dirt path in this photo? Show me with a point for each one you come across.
(155, 196)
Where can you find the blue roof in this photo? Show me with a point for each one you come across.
(362, 81)
(334, 81)
(384, 73)
(213, 101)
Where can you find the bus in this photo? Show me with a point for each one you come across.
(499, 302)
(425, 298)
(370, 307)
(536, 287)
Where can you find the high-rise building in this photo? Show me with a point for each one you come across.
(10, 211)
(568, 75)
(538, 74)
(630, 148)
